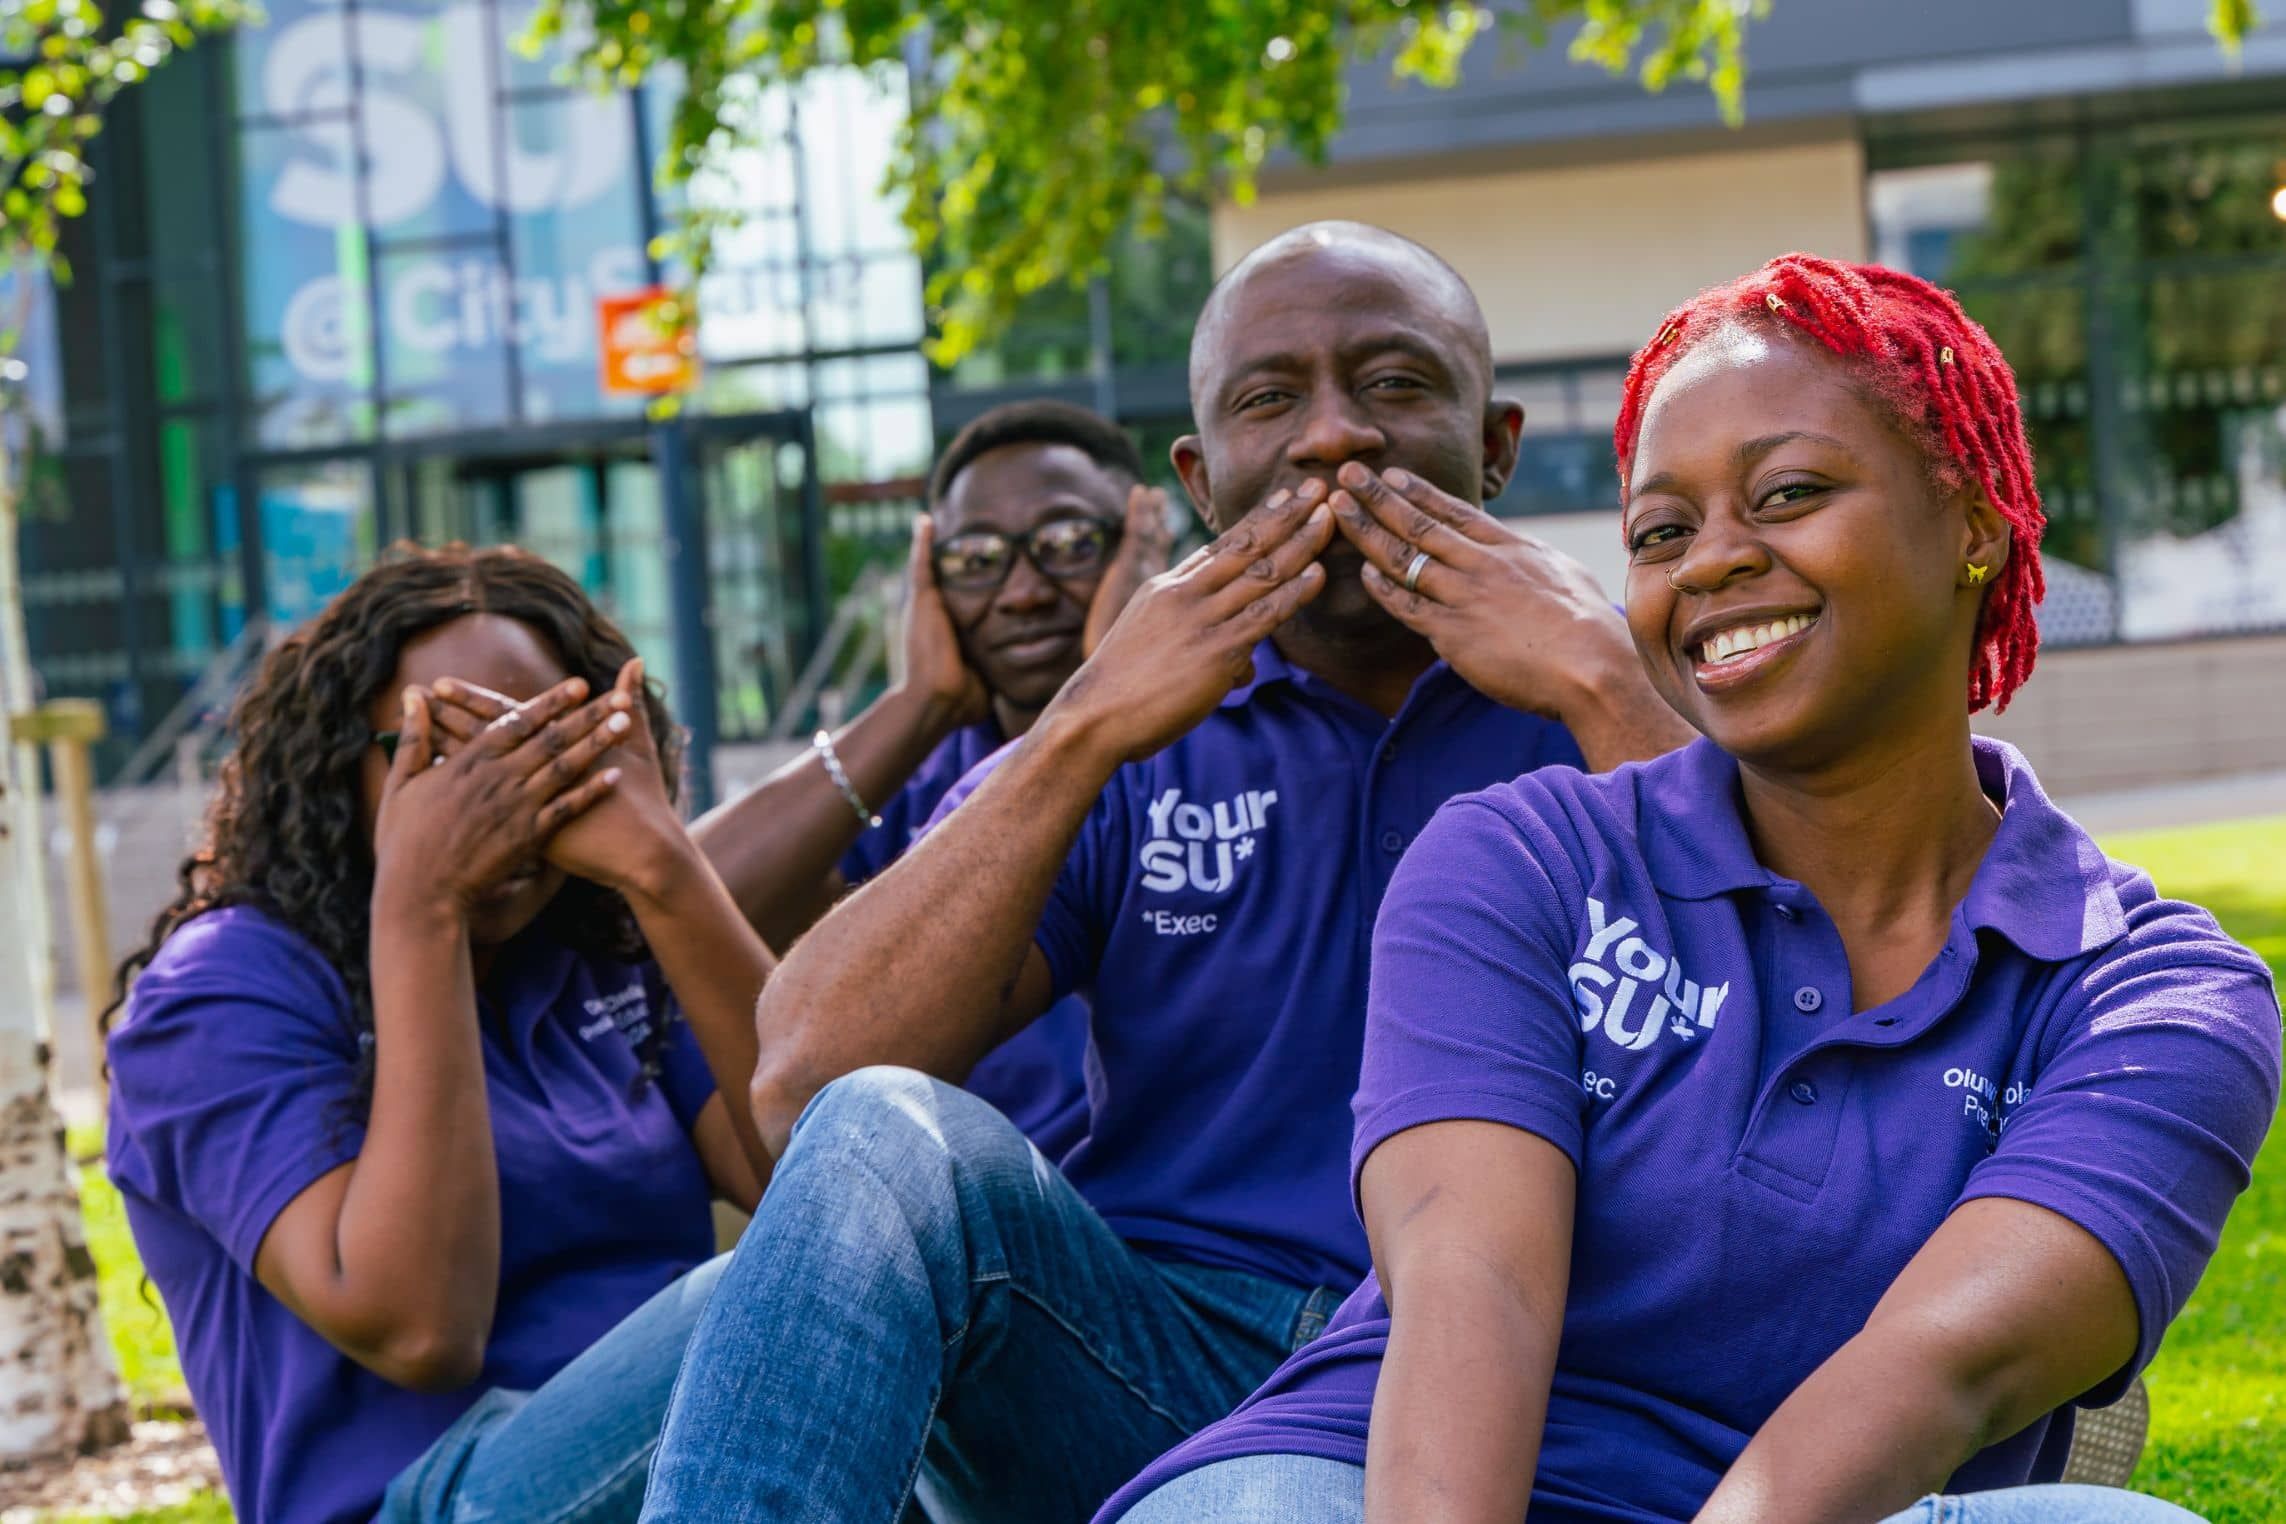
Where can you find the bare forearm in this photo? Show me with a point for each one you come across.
(417, 1241)
(1618, 717)
(777, 845)
(716, 965)
(1867, 1434)
(920, 967)
(1463, 1396)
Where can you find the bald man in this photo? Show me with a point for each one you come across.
(1196, 833)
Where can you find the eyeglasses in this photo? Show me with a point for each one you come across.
(980, 560)
(387, 741)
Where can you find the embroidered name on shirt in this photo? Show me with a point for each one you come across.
(628, 1011)
(1195, 846)
(1620, 978)
(1986, 1106)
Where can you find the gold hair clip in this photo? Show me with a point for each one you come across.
(1667, 335)
(1776, 303)
(1945, 355)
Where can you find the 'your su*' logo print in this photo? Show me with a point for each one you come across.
(1631, 992)
(1197, 846)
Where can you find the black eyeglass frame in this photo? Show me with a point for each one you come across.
(1021, 545)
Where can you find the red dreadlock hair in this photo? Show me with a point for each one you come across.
(1935, 368)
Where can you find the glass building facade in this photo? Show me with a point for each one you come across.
(339, 287)
(2135, 274)
(339, 283)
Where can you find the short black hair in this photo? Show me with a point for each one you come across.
(1042, 422)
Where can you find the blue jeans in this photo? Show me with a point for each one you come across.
(577, 1450)
(925, 1305)
(1278, 1489)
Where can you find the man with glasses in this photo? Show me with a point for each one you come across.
(1040, 528)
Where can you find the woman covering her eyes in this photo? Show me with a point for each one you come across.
(414, 1103)
(1806, 1122)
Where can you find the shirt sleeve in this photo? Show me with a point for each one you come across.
(2142, 1126)
(1074, 924)
(1469, 1010)
(235, 1073)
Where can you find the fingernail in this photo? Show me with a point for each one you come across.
(445, 687)
(1319, 515)
(412, 701)
(621, 701)
(1278, 498)
(619, 724)
(611, 775)
(1354, 475)
(1397, 479)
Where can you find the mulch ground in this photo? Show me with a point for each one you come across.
(165, 1463)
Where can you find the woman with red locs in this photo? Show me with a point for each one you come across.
(1803, 1123)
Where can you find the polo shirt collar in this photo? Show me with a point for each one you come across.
(1271, 666)
(2044, 884)
(1694, 832)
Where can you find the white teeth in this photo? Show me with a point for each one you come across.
(1731, 644)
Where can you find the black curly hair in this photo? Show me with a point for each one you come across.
(285, 831)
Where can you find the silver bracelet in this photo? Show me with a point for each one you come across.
(822, 744)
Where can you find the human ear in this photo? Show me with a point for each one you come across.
(1503, 441)
(1984, 541)
(1189, 455)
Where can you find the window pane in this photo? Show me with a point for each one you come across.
(308, 350)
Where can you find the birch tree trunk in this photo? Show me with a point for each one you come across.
(59, 1382)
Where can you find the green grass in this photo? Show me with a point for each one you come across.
(206, 1508)
(2218, 1388)
(131, 1310)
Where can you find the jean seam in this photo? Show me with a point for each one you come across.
(1101, 1359)
(580, 1509)
(921, 1452)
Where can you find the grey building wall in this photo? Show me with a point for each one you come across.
(1809, 64)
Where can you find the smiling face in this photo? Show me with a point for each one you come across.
(510, 658)
(1796, 580)
(1023, 637)
(1330, 347)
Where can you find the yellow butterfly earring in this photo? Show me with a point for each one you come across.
(1977, 572)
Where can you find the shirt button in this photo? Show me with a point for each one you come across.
(1805, 1092)
(1389, 751)
(1785, 912)
(1391, 841)
(1808, 999)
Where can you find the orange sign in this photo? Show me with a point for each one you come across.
(650, 343)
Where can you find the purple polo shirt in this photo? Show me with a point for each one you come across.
(1601, 961)
(1217, 908)
(232, 1076)
(1035, 1077)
